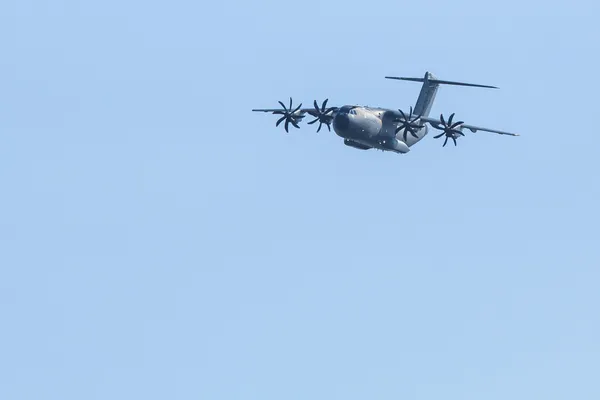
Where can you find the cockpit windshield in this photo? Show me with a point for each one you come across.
(348, 110)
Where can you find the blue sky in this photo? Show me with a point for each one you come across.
(160, 240)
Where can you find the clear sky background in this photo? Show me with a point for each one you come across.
(158, 240)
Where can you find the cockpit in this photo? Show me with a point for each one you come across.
(348, 110)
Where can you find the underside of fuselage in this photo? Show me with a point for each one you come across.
(365, 128)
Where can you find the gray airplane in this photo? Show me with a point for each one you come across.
(380, 128)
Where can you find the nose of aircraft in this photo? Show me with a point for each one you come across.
(341, 121)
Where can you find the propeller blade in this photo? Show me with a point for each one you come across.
(449, 129)
(450, 120)
(320, 114)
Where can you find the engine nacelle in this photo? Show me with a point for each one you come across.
(299, 115)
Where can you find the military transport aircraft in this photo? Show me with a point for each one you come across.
(381, 128)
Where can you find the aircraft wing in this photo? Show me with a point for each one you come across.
(310, 111)
(472, 128)
(293, 115)
(314, 111)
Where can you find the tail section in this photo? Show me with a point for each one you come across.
(429, 91)
(427, 95)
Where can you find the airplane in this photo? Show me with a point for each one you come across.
(365, 128)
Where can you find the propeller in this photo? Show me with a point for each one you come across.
(289, 115)
(409, 124)
(322, 115)
(449, 129)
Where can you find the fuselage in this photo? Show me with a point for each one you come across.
(373, 127)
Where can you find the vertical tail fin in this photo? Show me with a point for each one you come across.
(426, 96)
(429, 90)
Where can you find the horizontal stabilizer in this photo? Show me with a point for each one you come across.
(439, 82)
